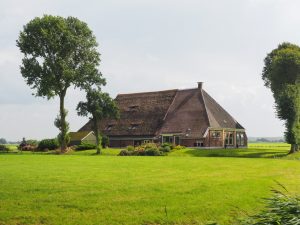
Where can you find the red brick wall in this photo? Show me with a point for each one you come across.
(187, 142)
(120, 143)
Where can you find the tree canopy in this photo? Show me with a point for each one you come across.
(58, 53)
(281, 74)
(99, 106)
(3, 141)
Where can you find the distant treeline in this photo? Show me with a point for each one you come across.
(266, 139)
(3, 141)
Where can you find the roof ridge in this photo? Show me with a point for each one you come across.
(147, 92)
(204, 103)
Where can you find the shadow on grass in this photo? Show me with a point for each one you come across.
(245, 153)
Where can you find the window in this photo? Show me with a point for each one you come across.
(242, 140)
(238, 139)
(109, 127)
(133, 126)
(216, 134)
(229, 138)
(133, 108)
(147, 141)
(167, 139)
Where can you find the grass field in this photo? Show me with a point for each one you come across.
(187, 187)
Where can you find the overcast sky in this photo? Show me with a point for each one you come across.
(149, 45)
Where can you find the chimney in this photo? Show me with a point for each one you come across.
(200, 84)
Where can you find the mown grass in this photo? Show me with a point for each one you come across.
(81, 188)
(255, 150)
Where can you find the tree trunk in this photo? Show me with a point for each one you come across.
(63, 128)
(294, 148)
(98, 139)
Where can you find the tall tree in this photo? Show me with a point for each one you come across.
(3, 141)
(281, 74)
(100, 106)
(58, 53)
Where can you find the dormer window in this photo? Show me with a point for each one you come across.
(133, 108)
(133, 126)
(109, 127)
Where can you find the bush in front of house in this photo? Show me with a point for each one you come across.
(165, 148)
(85, 146)
(125, 153)
(130, 148)
(148, 149)
(105, 141)
(4, 148)
(153, 152)
(48, 144)
(32, 142)
(28, 148)
(178, 147)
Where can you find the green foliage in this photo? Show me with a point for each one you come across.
(130, 148)
(63, 137)
(85, 146)
(3, 148)
(3, 141)
(281, 209)
(100, 106)
(153, 152)
(148, 149)
(179, 147)
(125, 153)
(48, 144)
(32, 142)
(105, 141)
(59, 52)
(136, 190)
(165, 148)
(281, 74)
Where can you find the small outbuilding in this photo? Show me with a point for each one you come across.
(77, 138)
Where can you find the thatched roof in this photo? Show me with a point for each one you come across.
(187, 112)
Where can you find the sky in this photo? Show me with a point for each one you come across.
(152, 45)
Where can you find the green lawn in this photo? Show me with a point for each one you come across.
(82, 188)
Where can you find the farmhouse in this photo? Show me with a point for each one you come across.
(189, 117)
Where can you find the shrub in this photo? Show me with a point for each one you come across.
(152, 152)
(171, 146)
(140, 152)
(150, 146)
(281, 209)
(179, 147)
(85, 146)
(125, 153)
(130, 148)
(48, 144)
(4, 148)
(32, 142)
(28, 148)
(148, 149)
(105, 141)
(165, 149)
